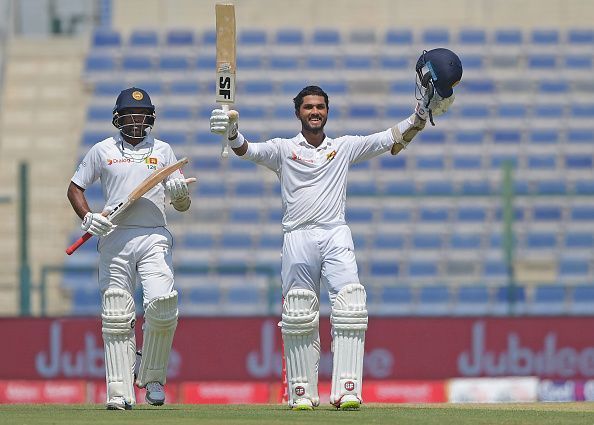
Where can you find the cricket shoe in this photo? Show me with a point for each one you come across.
(349, 402)
(118, 403)
(155, 394)
(302, 404)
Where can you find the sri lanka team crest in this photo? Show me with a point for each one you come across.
(151, 163)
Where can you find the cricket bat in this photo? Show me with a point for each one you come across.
(225, 68)
(150, 182)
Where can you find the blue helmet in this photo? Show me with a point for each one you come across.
(133, 98)
(442, 68)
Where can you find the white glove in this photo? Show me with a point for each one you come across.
(178, 189)
(432, 104)
(222, 122)
(96, 224)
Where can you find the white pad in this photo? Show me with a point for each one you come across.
(301, 339)
(160, 322)
(119, 318)
(349, 323)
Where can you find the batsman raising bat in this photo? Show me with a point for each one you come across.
(317, 245)
(137, 248)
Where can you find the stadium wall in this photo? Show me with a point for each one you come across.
(379, 14)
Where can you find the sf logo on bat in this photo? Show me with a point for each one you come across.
(225, 87)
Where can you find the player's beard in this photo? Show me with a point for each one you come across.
(313, 128)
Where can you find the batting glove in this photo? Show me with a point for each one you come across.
(178, 189)
(96, 224)
(219, 122)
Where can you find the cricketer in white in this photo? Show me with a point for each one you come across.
(135, 249)
(318, 246)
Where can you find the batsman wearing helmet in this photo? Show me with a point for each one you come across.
(136, 249)
(317, 245)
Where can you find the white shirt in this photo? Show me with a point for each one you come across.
(110, 162)
(313, 180)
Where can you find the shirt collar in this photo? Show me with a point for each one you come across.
(303, 142)
(147, 141)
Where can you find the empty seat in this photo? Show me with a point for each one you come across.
(174, 113)
(550, 187)
(544, 36)
(541, 240)
(250, 62)
(578, 62)
(173, 137)
(184, 87)
(179, 38)
(430, 162)
(144, 38)
(362, 189)
(467, 162)
(507, 136)
(204, 295)
(100, 63)
(471, 214)
(580, 136)
(358, 62)
(582, 213)
(542, 162)
(383, 268)
(434, 300)
(573, 269)
(435, 36)
(198, 240)
(584, 187)
(582, 300)
(540, 62)
(580, 37)
(579, 240)
(244, 215)
(548, 111)
(205, 62)
(433, 214)
(540, 137)
(510, 300)
(508, 37)
(391, 162)
(174, 63)
(398, 37)
(137, 63)
(422, 269)
(359, 214)
(106, 38)
(401, 188)
(582, 110)
(388, 241)
(284, 62)
(546, 213)
(236, 240)
(261, 87)
(472, 36)
(252, 37)
(438, 188)
(248, 189)
(86, 302)
(325, 36)
(289, 36)
(395, 300)
(472, 300)
(465, 241)
(469, 137)
(321, 62)
(548, 300)
(476, 188)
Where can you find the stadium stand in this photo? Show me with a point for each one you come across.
(412, 254)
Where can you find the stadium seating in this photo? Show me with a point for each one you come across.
(417, 256)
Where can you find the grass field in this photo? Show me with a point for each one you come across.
(402, 414)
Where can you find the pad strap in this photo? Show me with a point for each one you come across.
(159, 327)
(118, 321)
(349, 323)
(300, 324)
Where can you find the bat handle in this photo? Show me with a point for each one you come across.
(78, 243)
(225, 140)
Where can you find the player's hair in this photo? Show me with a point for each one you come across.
(309, 91)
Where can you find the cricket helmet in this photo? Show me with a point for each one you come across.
(128, 123)
(442, 68)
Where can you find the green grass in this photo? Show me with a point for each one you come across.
(402, 414)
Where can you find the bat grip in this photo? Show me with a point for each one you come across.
(78, 243)
(225, 140)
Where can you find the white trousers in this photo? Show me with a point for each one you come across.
(137, 255)
(311, 256)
